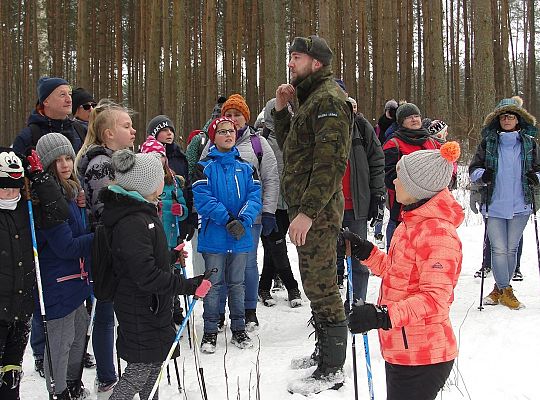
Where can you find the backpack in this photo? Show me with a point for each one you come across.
(105, 281)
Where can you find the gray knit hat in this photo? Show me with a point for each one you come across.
(142, 172)
(158, 123)
(314, 46)
(51, 146)
(425, 173)
(390, 105)
(406, 110)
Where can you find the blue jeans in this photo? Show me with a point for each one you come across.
(251, 278)
(360, 273)
(230, 273)
(103, 341)
(504, 236)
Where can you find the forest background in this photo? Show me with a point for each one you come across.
(454, 58)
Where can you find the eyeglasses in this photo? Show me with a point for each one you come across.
(87, 106)
(509, 117)
(225, 132)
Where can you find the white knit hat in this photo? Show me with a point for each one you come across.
(425, 173)
(141, 172)
(51, 146)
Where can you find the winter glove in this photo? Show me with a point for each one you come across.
(376, 209)
(179, 255)
(487, 176)
(188, 226)
(364, 317)
(34, 166)
(235, 228)
(192, 284)
(203, 289)
(360, 248)
(176, 209)
(269, 224)
(532, 178)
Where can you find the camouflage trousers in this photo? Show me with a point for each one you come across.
(317, 263)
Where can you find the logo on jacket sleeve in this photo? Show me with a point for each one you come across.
(437, 265)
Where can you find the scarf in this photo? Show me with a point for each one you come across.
(10, 204)
(416, 137)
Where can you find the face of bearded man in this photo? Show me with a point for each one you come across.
(300, 67)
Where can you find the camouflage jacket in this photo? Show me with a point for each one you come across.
(315, 143)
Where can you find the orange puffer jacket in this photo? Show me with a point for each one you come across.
(418, 279)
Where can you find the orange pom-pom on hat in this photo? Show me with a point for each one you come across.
(237, 102)
(450, 151)
(425, 173)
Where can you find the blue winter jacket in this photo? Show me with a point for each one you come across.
(60, 251)
(225, 185)
(172, 194)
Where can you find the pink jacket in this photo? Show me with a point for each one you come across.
(419, 274)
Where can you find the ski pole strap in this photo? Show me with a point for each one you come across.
(7, 368)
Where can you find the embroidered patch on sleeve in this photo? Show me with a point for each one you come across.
(327, 114)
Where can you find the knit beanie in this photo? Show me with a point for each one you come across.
(51, 146)
(142, 173)
(11, 169)
(158, 123)
(425, 173)
(192, 134)
(46, 85)
(438, 130)
(80, 97)
(406, 110)
(237, 102)
(390, 105)
(212, 128)
(314, 46)
(341, 84)
(151, 145)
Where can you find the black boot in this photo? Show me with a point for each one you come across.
(332, 347)
(77, 390)
(62, 396)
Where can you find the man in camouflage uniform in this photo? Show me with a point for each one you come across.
(316, 144)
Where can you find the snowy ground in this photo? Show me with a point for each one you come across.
(498, 347)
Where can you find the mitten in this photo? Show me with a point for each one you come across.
(177, 210)
(235, 228)
(532, 178)
(487, 176)
(269, 224)
(364, 317)
(203, 289)
(34, 165)
(360, 248)
(376, 209)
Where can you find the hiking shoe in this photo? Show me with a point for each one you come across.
(494, 297)
(509, 300)
(278, 284)
(221, 323)
(340, 281)
(295, 298)
(208, 343)
(38, 366)
(317, 383)
(241, 340)
(88, 360)
(379, 240)
(518, 276)
(105, 387)
(487, 271)
(251, 320)
(266, 298)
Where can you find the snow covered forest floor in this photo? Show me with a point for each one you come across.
(499, 347)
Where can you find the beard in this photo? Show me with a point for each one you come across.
(301, 75)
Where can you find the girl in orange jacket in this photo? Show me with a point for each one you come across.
(419, 275)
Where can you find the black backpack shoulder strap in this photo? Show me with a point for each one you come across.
(36, 133)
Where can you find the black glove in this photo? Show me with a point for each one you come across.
(192, 284)
(487, 176)
(364, 317)
(532, 178)
(376, 209)
(51, 208)
(360, 248)
(235, 228)
(188, 226)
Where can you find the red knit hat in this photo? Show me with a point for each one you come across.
(237, 102)
(151, 145)
(214, 124)
(192, 135)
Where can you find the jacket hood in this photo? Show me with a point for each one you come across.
(93, 151)
(512, 105)
(229, 156)
(442, 206)
(116, 206)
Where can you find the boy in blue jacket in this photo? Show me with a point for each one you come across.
(227, 196)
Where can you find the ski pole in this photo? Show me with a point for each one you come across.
(40, 287)
(88, 334)
(351, 300)
(183, 270)
(484, 262)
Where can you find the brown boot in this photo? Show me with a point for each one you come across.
(509, 300)
(494, 297)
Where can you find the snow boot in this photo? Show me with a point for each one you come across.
(509, 300)
(332, 352)
(89, 361)
(77, 391)
(487, 271)
(62, 396)
(518, 276)
(492, 299)
(295, 298)
(313, 359)
(208, 343)
(241, 340)
(251, 319)
(278, 284)
(221, 323)
(38, 366)
(266, 298)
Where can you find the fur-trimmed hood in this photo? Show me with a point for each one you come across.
(514, 105)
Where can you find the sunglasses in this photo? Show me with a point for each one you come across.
(87, 106)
